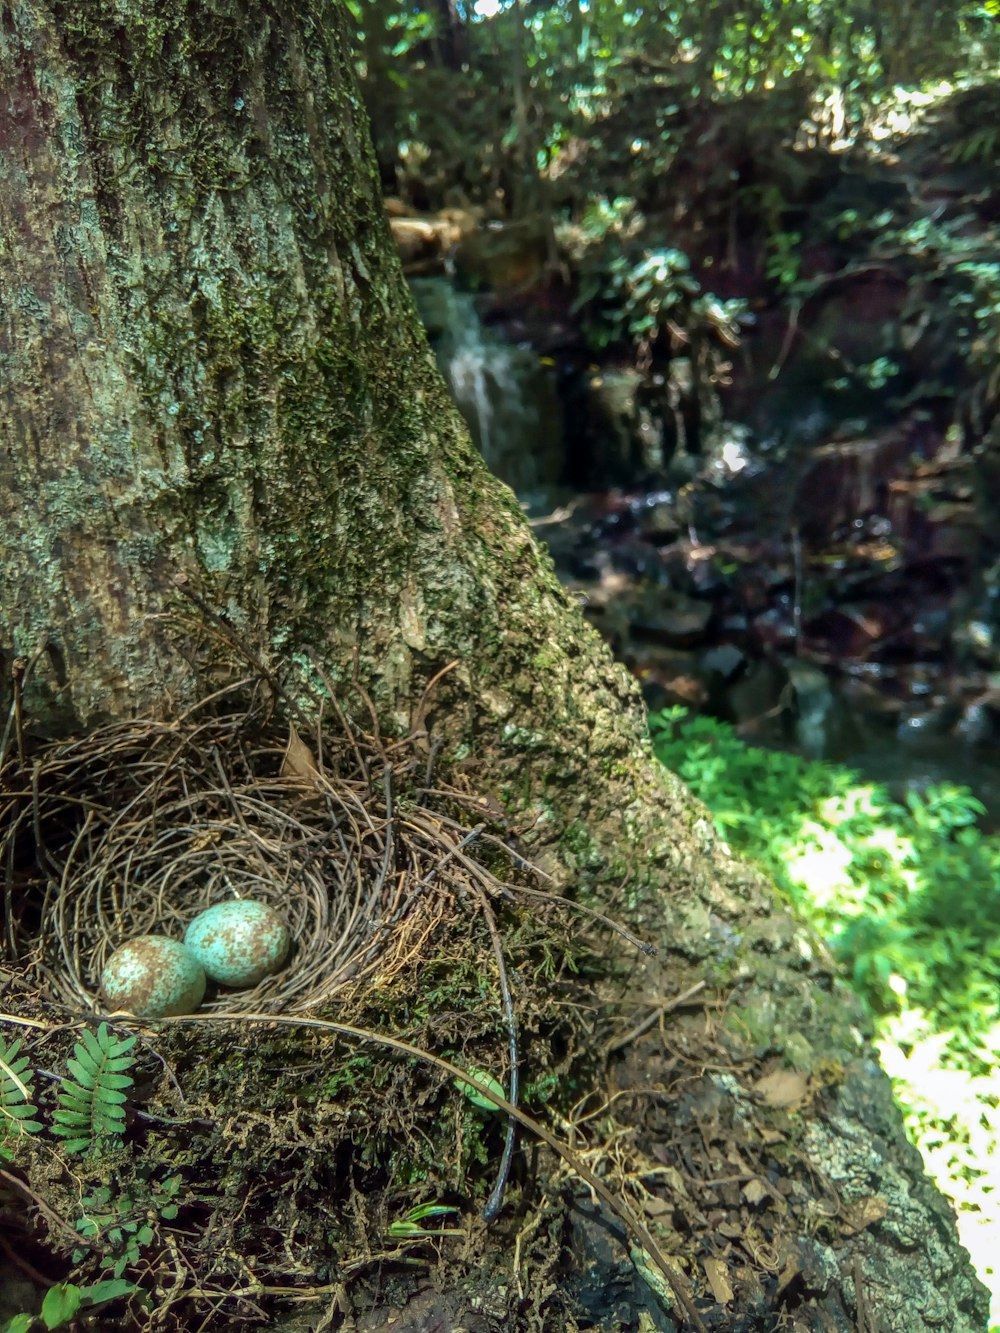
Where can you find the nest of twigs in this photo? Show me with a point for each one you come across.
(137, 827)
(394, 883)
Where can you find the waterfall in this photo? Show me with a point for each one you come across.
(503, 390)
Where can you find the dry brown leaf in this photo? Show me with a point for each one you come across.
(863, 1213)
(782, 1088)
(755, 1190)
(769, 1136)
(654, 1207)
(788, 1274)
(298, 761)
(674, 1182)
(718, 1280)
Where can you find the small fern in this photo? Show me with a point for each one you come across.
(17, 1095)
(94, 1105)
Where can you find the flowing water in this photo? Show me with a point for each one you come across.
(505, 392)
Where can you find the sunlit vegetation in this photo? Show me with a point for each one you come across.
(908, 897)
(505, 99)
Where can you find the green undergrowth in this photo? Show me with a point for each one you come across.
(908, 898)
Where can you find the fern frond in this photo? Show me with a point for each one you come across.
(17, 1093)
(92, 1103)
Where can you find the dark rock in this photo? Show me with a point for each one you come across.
(608, 1286)
(980, 723)
(660, 521)
(430, 1311)
(681, 622)
(851, 631)
(724, 660)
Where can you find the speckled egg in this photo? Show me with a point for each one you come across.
(238, 943)
(153, 977)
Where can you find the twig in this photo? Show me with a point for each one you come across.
(617, 1043)
(554, 898)
(390, 828)
(20, 669)
(495, 1202)
(786, 344)
(38, 1278)
(417, 723)
(21, 1187)
(347, 729)
(618, 1206)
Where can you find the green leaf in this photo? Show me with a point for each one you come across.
(423, 1210)
(60, 1304)
(474, 1095)
(74, 1145)
(73, 1096)
(112, 1080)
(21, 1323)
(111, 1289)
(109, 1095)
(94, 1105)
(83, 1073)
(16, 1093)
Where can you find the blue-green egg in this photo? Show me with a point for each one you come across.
(153, 977)
(240, 942)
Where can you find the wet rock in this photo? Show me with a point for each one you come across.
(844, 480)
(681, 622)
(506, 395)
(775, 627)
(977, 639)
(659, 522)
(851, 631)
(723, 661)
(758, 703)
(621, 438)
(667, 676)
(869, 694)
(936, 720)
(639, 559)
(980, 722)
(931, 624)
(707, 579)
(953, 532)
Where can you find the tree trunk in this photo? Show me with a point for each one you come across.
(218, 410)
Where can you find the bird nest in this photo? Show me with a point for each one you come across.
(137, 827)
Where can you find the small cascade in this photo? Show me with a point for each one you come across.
(505, 393)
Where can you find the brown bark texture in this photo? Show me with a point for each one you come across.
(217, 409)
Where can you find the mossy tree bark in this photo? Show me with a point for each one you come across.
(217, 402)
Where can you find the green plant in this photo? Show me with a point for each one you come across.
(64, 1300)
(783, 258)
(409, 1228)
(474, 1095)
(640, 298)
(123, 1220)
(17, 1108)
(93, 1107)
(908, 896)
